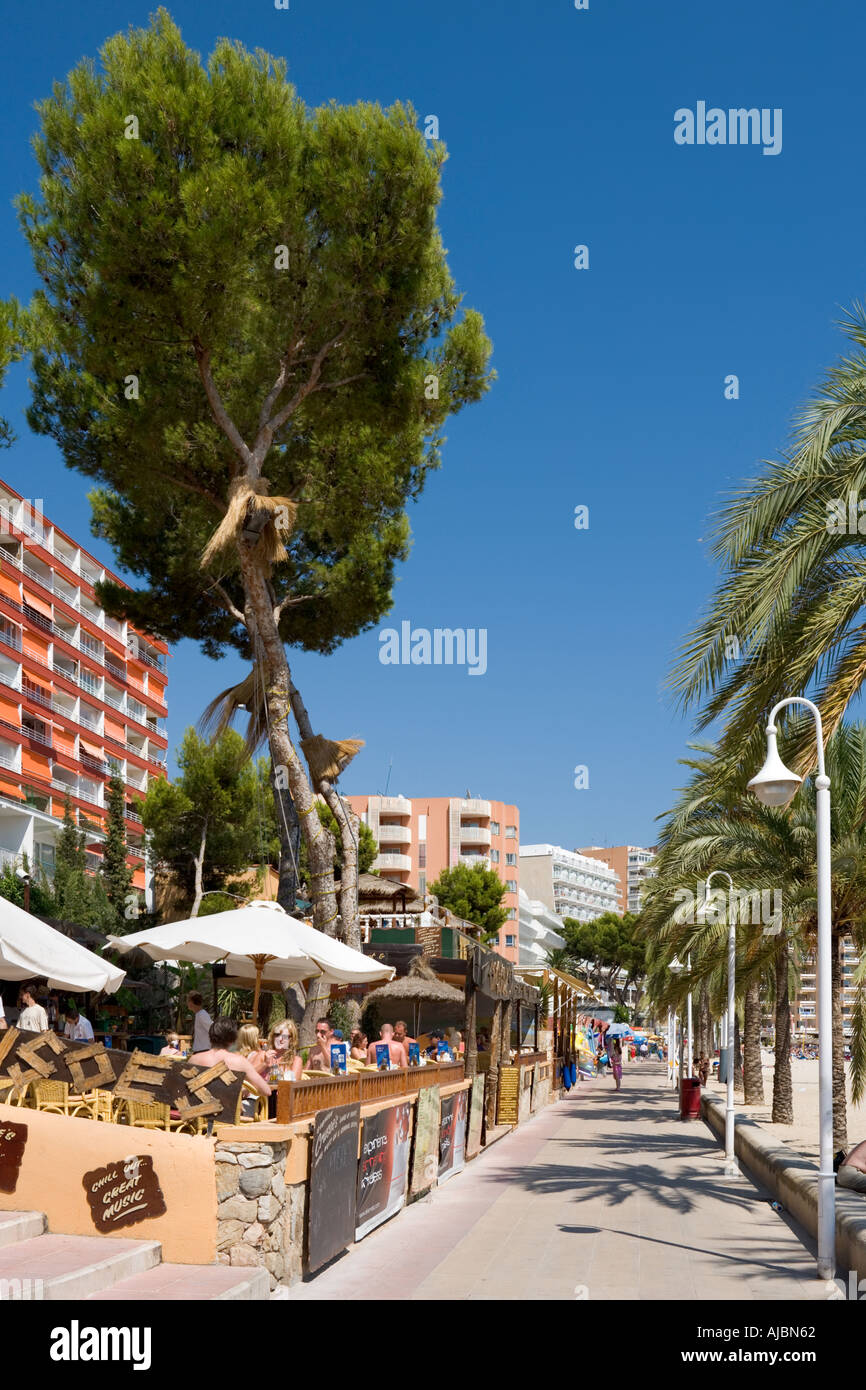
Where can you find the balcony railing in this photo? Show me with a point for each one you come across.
(402, 863)
(395, 806)
(394, 835)
(474, 835)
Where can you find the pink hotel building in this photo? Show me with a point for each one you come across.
(418, 837)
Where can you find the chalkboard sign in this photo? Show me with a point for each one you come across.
(13, 1137)
(124, 1193)
(333, 1175)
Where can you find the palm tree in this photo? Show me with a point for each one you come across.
(716, 825)
(788, 612)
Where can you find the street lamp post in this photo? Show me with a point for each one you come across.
(730, 1160)
(676, 968)
(775, 785)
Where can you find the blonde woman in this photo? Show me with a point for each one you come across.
(249, 1046)
(283, 1050)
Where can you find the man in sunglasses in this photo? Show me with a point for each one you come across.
(320, 1055)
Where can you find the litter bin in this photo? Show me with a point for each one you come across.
(690, 1098)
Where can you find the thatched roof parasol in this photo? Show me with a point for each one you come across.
(373, 889)
(421, 985)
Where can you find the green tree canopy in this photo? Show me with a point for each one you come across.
(367, 847)
(253, 297)
(205, 826)
(473, 893)
(606, 946)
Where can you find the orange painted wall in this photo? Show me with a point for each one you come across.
(60, 1150)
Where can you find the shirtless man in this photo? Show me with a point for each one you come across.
(401, 1036)
(396, 1050)
(223, 1035)
(320, 1055)
(853, 1171)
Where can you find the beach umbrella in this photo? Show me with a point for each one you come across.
(251, 937)
(30, 949)
(619, 1030)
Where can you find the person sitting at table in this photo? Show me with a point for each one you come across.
(436, 1037)
(320, 1055)
(396, 1050)
(402, 1036)
(282, 1050)
(223, 1036)
(77, 1027)
(32, 1016)
(250, 1046)
(172, 1046)
(358, 1050)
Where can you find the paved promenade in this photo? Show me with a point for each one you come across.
(602, 1196)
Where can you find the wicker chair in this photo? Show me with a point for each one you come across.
(143, 1115)
(55, 1097)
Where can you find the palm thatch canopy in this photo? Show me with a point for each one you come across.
(376, 893)
(421, 986)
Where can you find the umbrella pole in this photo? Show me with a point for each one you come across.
(258, 989)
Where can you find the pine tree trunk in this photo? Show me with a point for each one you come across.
(783, 1093)
(350, 929)
(290, 845)
(263, 629)
(840, 1100)
(753, 1080)
(199, 864)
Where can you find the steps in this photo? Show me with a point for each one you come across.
(40, 1265)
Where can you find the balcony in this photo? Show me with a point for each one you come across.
(475, 835)
(394, 806)
(394, 835)
(393, 863)
(474, 807)
(470, 860)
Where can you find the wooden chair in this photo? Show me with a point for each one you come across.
(260, 1113)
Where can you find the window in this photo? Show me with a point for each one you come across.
(422, 884)
(511, 941)
(512, 860)
(511, 885)
(494, 856)
(511, 832)
(512, 913)
(494, 827)
(422, 856)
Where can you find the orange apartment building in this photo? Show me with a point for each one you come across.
(418, 837)
(81, 695)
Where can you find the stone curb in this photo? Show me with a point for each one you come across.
(793, 1181)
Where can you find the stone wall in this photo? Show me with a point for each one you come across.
(260, 1221)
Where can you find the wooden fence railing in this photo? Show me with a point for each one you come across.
(298, 1099)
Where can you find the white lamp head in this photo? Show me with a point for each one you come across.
(775, 784)
(675, 966)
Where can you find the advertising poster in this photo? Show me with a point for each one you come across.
(425, 1153)
(333, 1177)
(384, 1167)
(452, 1135)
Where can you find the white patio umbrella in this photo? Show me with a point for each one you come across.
(249, 938)
(30, 949)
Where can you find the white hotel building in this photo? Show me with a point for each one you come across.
(569, 884)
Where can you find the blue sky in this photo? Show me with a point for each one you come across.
(704, 261)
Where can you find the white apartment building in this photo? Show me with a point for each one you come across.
(804, 1012)
(569, 884)
(540, 931)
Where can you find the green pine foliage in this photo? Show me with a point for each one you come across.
(473, 893)
(115, 874)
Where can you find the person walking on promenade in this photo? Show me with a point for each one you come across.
(616, 1062)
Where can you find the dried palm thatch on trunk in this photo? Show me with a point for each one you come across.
(248, 503)
(221, 710)
(327, 758)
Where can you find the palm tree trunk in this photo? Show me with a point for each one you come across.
(840, 1100)
(705, 1024)
(783, 1094)
(738, 1056)
(753, 1080)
